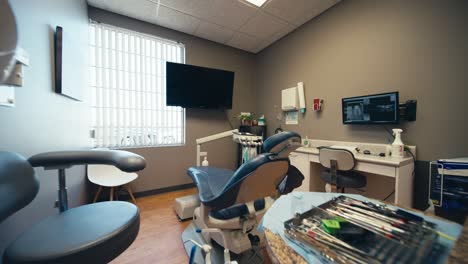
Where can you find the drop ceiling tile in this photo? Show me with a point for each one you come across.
(286, 10)
(139, 9)
(176, 20)
(273, 38)
(98, 3)
(198, 8)
(231, 22)
(320, 7)
(227, 13)
(243, 41)
(263, 25)
(213, 32)
(231, 13)
(299, 12)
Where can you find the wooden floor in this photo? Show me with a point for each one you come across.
(159, 239)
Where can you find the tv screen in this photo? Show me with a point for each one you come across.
(371, 109)
(198, 87)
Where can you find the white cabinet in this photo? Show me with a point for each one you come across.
(301, 161)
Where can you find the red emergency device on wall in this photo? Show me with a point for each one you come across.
(317, 104)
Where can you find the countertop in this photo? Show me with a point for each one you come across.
(390, 161)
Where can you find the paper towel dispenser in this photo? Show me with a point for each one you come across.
(293, 98)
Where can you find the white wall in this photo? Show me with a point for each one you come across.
(42, 120)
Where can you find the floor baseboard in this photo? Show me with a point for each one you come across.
(125, 196)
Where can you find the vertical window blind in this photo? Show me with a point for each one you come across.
(128, 89)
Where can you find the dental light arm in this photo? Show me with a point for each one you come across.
(214, 137)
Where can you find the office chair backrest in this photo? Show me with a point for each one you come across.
(344, 158)
(18, 183)
(282, 143)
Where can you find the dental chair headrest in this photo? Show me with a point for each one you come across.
(282, 143)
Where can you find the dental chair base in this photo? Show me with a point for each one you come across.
(185, 206)
(219, 254)
(237, 232)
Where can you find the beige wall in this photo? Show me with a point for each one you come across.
(167, 165)
(419, 48)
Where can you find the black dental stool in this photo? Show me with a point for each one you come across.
(93, 233)
(339, 165)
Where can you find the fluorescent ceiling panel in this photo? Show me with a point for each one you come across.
(258, 3)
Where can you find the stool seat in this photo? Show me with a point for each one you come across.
(345, 179)
(94, 233)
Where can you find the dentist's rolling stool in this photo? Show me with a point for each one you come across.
(106, 176)
(234, 202)
(93, 233)
(339, 165)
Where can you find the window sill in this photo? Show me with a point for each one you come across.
(144, 147)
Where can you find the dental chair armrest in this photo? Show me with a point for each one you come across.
(124, 160)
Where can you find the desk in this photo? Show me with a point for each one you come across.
(286, 206)
(400, 169)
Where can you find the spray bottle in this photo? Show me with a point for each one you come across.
(205, 162)
(398, 148)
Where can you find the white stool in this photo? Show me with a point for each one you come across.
(111, 177)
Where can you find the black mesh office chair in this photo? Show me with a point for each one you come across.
(93, 233)
(339, 165)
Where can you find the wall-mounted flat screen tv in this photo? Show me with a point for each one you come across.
(371, 109)
(191, 86)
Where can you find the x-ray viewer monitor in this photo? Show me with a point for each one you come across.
(371, 109)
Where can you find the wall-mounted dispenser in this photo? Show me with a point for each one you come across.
(293, 99)
(301, 94)
(318, 104)
(289, 99)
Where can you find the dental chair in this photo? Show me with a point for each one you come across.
(235, 202)
(92, 233)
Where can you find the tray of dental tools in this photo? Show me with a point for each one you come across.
(347, 230)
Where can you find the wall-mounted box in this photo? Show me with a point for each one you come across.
(289, 99)
(7, 96)
(16, 76)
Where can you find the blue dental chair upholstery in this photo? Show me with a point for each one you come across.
(93, 233)
(235, 201)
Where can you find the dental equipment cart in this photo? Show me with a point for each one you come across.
(449, 188)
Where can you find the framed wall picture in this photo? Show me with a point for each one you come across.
(66, 81)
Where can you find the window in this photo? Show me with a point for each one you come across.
(128, 89)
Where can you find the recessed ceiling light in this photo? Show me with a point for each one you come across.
(258, 3)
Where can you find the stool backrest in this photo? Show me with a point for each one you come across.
(18, 183)
(344, 158)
